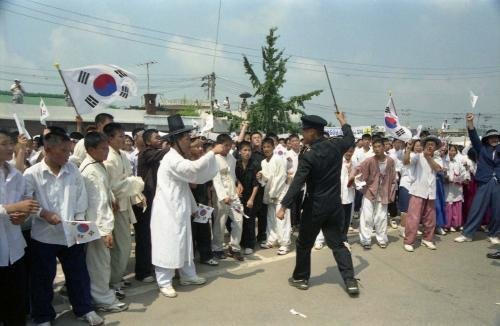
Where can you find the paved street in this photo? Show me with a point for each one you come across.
(454, 285)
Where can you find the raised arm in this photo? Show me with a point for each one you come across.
(474, 138)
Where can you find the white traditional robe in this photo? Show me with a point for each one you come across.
(171, 238)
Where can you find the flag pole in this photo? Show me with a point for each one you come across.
(66, 86)
(331, 90)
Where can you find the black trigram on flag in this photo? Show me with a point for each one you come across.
(83, 77)
(400, 132)
(90, 100)
(120, 73)
(387, 110)
(124, 92)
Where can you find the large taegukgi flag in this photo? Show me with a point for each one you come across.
(95, 87)
(392, 125)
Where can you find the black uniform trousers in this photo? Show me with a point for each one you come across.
(248, 231)
(202, 240)
(142, 232)
(12, 293)
(295, 210)
(332, 226)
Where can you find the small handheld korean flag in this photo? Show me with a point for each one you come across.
(20, 126)
(203, 214)
(473, 99)
(95, 87)
(82, 231)
(44, 112)
(392, 123)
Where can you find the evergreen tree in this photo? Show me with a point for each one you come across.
(271, 112)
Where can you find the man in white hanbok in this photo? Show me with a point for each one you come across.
(173, 207)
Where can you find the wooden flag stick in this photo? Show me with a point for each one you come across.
(331, 90)
(66, 86)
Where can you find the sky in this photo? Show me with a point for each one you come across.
(429, 54)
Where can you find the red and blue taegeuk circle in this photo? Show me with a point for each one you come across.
(391, 122)
(82, 228)
(105, 85)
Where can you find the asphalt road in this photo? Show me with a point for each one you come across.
(453, 285)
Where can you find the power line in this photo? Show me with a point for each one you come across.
(258, 50)
(454, 75)
(216, 37)
(236, 59)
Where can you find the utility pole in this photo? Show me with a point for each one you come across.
(208, 81)
(147, 68)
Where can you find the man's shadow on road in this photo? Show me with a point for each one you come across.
(332, 275)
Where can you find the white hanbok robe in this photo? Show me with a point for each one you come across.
(171, 237)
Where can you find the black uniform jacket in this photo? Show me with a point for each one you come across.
(319, 167)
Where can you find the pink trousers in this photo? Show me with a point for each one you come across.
(423, 211)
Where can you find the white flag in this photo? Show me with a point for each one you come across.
(81, 231)
(209, 124)
(392, 123)
(44, 112)
(473, 99)
(20, 126)
(95, 87)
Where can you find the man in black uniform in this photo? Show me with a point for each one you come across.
(319, 167)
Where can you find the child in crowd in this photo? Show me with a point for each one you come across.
(13, 212)
(379, 173)
(454, 179)
(274, 179)
(201, 231)
(227, 197)
(246, 173)
(100, 211)
(59, 188)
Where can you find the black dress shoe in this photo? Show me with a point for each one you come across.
(351, 286)
(494, 255)
(299, 284)
(235, 254)
(219, 254)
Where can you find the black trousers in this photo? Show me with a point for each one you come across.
(347, 217)
(44, 265)
(142, 231)
(332, 226)
(296, 209)
(358, 198)
(12, 293)
(202, 240)
(248, 232)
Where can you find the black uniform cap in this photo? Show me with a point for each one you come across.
(313, 121)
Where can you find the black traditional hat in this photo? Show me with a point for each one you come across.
(490, 133)
(313, 121)
(176, 126)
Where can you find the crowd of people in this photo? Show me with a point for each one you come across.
(261, 188)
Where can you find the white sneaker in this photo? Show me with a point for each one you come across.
(409, 248)
(148, 279)
(92, 318)
(452, 229)
(282, 250)
(419, 232)
(115, 307)
(429, 244)
(394, 225)
(440, 231)
(494, 240)
(247, 251)
(318, 246)
(462, 238)
(197, 280)
(168, 291)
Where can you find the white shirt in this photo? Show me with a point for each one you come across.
(457, 175)
(12, 242)
(79, 152)
(225, 179)
(292, 162)
(360, 155)
(274, 179)
(406, 174)
(63, 194)
(424, 178)
(346, 194)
